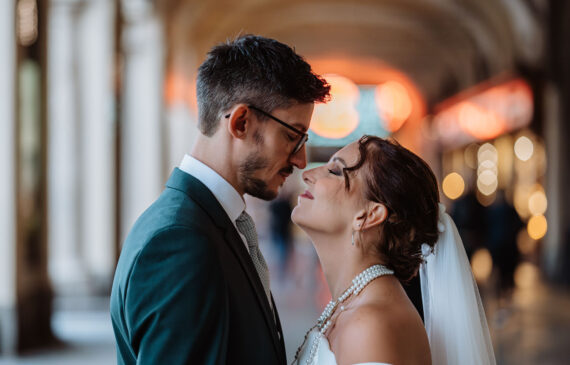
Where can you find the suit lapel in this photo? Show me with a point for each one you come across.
(198, 192)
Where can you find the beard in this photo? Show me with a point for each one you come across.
(252, 185)
(255, 186)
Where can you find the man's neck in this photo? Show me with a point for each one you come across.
(216, 155)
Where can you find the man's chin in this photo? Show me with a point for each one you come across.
(265, 194)
(260, 190)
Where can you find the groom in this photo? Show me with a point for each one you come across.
(191, 286)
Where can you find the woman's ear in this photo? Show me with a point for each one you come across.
(373, 216)
(239, 122)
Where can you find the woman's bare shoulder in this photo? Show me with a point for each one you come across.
(377, 332)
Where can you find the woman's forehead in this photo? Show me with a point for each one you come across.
(348, 155)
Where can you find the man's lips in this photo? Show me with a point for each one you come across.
(307, 195)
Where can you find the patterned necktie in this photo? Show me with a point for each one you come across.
(246, 226)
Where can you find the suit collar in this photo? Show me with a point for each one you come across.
(223, 191)
(199, 193)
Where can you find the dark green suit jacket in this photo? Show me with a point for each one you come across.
(185, 289)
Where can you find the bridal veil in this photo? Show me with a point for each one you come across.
(453, 313)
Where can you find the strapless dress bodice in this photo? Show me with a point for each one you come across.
(324, 354)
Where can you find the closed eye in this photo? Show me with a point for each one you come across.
(335, 172)
(292, 138)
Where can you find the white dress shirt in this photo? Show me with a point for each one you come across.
(223, 191)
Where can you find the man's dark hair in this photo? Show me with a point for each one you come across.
(254, 70)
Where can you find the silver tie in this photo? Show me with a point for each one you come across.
(246, 226)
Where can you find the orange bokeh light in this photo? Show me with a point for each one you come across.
(179, 89)
(339, 117)
(478, 122)
(394, 104)
(486, 112)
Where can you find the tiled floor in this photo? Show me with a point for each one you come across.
(531, 328)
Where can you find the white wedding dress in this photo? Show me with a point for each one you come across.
(324, 354)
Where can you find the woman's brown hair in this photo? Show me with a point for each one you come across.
(407, 187)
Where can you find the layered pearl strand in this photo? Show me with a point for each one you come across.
(324, 321)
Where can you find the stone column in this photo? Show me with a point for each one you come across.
(8, 172)
(65, 269)
(141, 110)
(96, 135)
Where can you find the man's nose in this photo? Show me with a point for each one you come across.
(299, 159)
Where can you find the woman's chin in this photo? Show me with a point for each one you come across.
(297, 218)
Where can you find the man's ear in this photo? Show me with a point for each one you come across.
(239, 121)
(371, 217)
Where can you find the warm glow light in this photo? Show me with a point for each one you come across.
(478, 122)
(487, 166)
(537, 227)
(525, 244)
(521, 196)
(178, 89)
(485, 200)
(481, 264)
(394, 104)
(526, 275)
(338, 118)
(487, 183)
(470, 155)
(484, 112)
(524, 148)
(487, 152)
(453, 185)
(537, 203)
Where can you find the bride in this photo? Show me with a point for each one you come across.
(372, 213)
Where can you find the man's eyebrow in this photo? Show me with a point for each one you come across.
(339, 160)
(300, 127)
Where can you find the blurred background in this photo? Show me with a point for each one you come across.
(97, 106)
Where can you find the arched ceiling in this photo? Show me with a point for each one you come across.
(443, 46)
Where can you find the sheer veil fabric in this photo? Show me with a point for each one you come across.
(453, 312)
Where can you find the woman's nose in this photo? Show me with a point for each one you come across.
(308, 176)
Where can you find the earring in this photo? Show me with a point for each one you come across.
(353, 235)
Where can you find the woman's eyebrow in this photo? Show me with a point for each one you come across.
(339, 160)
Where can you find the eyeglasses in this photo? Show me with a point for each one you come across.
(304, 136)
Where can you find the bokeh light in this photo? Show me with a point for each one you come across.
(487, 180)
(526, 275)
(537, 203)
(470, 155)
(537, 227)
(453, 185)
(521, 195)
(479, 122)
(525, 244)
(523, 148)
(339, 117)
(487, 152)
(481, 264)
(394, 104)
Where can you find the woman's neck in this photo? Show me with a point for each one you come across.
(340, 261)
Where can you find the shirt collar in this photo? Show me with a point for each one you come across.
(225, 193)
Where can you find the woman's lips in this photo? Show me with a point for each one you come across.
(307, 195)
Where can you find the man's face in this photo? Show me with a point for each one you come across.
(270, 159)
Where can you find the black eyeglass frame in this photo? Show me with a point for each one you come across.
(304, 136)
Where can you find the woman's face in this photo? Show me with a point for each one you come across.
(326, 206)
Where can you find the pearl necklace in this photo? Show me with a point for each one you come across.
(324, 321)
